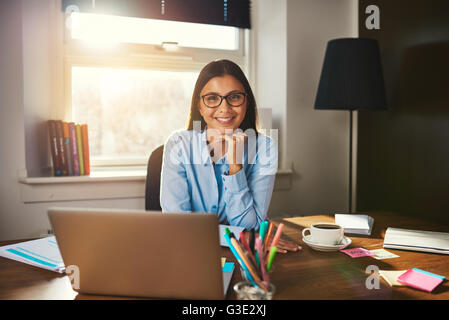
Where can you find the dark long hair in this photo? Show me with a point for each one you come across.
(220, 68)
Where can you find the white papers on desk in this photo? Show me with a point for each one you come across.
(416, 240)
(235, 230)
(43, 253)
(355, 223)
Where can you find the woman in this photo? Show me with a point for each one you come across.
(220, 164)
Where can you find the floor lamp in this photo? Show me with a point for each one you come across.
(351, 79)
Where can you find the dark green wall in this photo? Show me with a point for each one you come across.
(403, 154)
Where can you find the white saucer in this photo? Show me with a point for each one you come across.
(324, 247)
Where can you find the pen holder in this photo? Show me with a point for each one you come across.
(245, 290)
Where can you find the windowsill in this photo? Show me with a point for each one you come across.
(95, 176)
(107, 176)
(102, 184)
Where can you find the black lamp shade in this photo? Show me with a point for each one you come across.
(351, 77)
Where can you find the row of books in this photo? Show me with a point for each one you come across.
(69, 148)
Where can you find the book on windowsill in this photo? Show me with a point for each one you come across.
(69, 144)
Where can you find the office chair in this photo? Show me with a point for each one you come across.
(153, 181)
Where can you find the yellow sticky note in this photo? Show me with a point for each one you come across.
(391, 277)
(223, 261)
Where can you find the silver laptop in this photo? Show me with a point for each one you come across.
(141, 253)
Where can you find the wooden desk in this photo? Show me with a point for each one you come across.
(307, 274)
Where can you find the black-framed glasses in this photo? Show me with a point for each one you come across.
(213, 100)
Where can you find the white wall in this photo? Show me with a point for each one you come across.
(291, 42)
(269, 32)
(30, 86)
(12, 140)
(42, 40)
(289, 37)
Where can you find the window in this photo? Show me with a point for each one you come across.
(130, 111)
(96, 27)
(131, 79)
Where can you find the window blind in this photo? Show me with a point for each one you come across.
(235, 13)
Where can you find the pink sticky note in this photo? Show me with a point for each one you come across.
(357, 252)
(419, 280)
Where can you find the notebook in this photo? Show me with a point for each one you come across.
(416, 240)
(420, 279)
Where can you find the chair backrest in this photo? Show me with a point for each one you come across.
(153, 181)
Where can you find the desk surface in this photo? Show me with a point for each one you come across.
(307, 274)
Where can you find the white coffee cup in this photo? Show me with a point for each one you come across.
(325, 233)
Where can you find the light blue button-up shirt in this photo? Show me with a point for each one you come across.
(191, 183)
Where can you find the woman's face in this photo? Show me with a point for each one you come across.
(224, 116)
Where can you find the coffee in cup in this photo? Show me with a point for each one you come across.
(325, 233)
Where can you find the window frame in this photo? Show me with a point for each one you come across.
(140, 56)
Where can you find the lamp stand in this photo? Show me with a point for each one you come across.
(350, 161)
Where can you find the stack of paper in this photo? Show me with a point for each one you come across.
(355, 223)
(427, 241)
(42, 253)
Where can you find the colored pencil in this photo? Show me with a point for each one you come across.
(262, 265)
(239, 258)
(246, 245)
(277, 235)
(248, 264)
(273, 251)
(268, 236)
(252, 238)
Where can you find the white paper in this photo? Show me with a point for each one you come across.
(43, 253)
(235, 230)
(355, 223)
(392, 276)
(416, 240)
(381, 254)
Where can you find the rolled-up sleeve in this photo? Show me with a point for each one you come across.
(174, 195)
(248, 195)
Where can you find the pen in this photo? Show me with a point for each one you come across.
(262, 265)
(263, 229)
(269, 234)
(252, 238)
(246, 246)
(273, 251)
(239, 259)
(277, 235)
(246, 253)
(248, 264)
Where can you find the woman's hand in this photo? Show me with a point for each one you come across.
(234, 151)
(285, 245)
